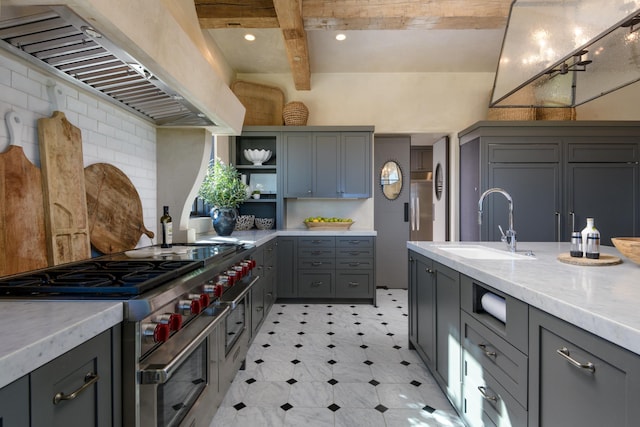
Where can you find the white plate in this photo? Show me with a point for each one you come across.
(143, 253)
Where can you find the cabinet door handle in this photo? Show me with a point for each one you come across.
(316, 284)
(428, 270)
(573, 220)
(486, 352)
(487, 396)
(558, 238)
(353, 284)
(564, 352)
(354, 264)
(89, 379)
(316, 263)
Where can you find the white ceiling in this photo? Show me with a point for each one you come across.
(366, 51)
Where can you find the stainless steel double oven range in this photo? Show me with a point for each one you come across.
(185, 332)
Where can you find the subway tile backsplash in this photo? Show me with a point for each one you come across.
(109, 134)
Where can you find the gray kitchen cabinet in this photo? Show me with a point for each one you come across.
(14, 403)
(327, 164)
(558, 173)
(329, 268)
(257, 293)
(270, 273)
(421, 159)
(577, 378)
(87, 370)
(436, 315)
(287, 269)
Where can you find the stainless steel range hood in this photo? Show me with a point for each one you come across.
(564, 53)
(60, 42)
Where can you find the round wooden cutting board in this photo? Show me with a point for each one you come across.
(114, 209)
(602, 261)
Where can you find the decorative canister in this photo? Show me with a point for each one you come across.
(295, 114)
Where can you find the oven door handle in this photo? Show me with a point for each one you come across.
(160, 373)
(242, 293)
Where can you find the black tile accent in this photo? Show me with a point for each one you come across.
(368, 362)
(305, 314)
(399, 306)
(397, 347)
(361, 333)
(354, 314)
(405, 314)
(298, 345)
(374, 383)
(286, 407)
(280, 313)
(364, 346)
(333, 407)
(250, 381)
(291, 381)
(271, 332)
(332, 362)
(330, 333)
(295, 361)
(390, 334)
(405, 363)
(276, 322)
(394, 300)
(352, 306)
(300, 333)
(333, 381)
(331, 346)
(329, 323)
(379, 314)
(329, 306)
(259, 361)
(429, 409)
(266, 345)
(306, 306)
(329, 314)
(415, 383)
(357, 323)
(303, 323)
(381, 408)
(384, 323)
(239, 406)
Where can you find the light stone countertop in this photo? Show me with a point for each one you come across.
(260, 237)
(33, 333)
(603, 300)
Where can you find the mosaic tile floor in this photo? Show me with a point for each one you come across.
(341, 365)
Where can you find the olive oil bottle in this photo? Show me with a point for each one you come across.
(167, 228)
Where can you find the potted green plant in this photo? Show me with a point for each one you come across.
(223, 189)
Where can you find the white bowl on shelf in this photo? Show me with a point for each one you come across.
(257, 157)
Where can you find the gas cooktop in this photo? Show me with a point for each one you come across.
(116, 276)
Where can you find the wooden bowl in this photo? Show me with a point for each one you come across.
(629, 247)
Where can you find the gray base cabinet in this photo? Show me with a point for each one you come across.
(329, 268)
(579, 379)
(263, 292)
(88, 364)
(434, 320)
(14, 403)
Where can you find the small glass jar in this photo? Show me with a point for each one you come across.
(576, 245)
(592, 250)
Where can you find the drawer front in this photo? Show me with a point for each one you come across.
(514, 331)
(605, 152)
(354, 242)
(315, 285)
(316, 263)
(316, 242)
(270, 250)
(524, 153)
(485, 402)
(494, 355)
(355, 264)
(354, 284)
(318, 252)
(354, 252)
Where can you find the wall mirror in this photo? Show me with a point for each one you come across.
(391, 180)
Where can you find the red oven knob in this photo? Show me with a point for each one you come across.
(174, 320)
(190, 306)
(239, 270)
(205, 300)
(156, 332)
(218, 290)
(196, 306)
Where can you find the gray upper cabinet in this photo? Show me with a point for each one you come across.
(558, 174)
(327, 163)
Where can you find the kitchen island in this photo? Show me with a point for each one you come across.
(524, 339)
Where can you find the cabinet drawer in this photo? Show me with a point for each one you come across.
(354, 284)
(315, 284)
(514, 330)
(355, 252)
(602, 153)
(494, 355)
(524, 153)
(316, 263)
(485, 402)
(270, 250)
(322, 252)
(354, 242)
(316, 242)
(354, 264)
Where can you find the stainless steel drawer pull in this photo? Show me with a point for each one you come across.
(316, 263)
(316, 284)
(354, 264)
(487, 353)
(353, 284)
(354, 242)
(486, 396)
(89, 379)
(564, 352)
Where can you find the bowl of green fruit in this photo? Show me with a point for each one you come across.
(328, 223)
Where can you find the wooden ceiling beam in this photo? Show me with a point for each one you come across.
(295, 40)
(236, 14)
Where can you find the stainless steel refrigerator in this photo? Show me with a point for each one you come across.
(421, 204)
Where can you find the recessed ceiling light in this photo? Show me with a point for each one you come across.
(249, 37)
(340, 37)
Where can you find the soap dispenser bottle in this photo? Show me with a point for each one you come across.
(589, 231)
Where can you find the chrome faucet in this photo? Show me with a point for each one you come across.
(510, 236)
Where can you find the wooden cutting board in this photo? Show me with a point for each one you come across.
(22, 232)
(65, 204)
(115, 210)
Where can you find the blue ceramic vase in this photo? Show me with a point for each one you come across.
(224, 220)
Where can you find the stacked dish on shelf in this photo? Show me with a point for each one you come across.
(257, 157)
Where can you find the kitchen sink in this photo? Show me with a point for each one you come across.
(485, 253)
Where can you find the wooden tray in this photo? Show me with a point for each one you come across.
(602, 261)
(264, 104)
(328, 225)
